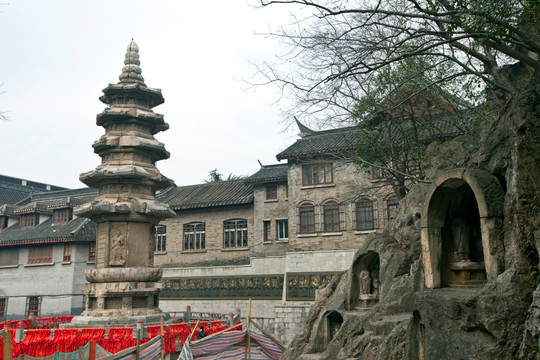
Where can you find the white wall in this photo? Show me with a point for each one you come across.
(56, 283)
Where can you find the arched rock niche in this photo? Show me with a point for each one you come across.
(463, 205)
(333, 322)
(364, 291)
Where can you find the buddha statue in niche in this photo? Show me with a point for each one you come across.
(461, 240)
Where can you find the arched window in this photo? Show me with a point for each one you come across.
(364, 214)
(195, 236)
(306, 218)
(235, 234)
(331, 216)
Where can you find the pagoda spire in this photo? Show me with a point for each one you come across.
(131, 72)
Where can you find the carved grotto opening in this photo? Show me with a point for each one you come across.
(462, 229)
(333, 321)
(364, 287)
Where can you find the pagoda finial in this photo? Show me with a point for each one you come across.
(131, 72)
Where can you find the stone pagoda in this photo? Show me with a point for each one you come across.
(124, 284)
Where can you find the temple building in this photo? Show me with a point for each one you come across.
(276, 237)
(44, 249)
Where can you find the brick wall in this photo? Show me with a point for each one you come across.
(214, 252)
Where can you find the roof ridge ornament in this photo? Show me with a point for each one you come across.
(131, 72)
(304, 130)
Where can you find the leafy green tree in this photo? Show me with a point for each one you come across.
(214, 175)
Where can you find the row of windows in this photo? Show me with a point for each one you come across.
(235, 232)
(42, 254)
(33, 306)
(332, 217)
(235, 235)
(26, 221)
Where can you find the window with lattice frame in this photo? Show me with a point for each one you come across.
(235, 233)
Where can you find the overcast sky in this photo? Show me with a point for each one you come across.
(57, 56)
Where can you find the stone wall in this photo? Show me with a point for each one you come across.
(280, 317)
(349, 184)
(214, 253)
(270, 211)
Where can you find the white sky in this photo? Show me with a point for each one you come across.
(57, 56)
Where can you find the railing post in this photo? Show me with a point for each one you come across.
(6, 338)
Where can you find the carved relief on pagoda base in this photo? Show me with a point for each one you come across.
(121, 299)
(124, 244)
(124, 274)
(118, 245)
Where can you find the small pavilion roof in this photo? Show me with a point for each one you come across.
(313, 143)
(268, 174)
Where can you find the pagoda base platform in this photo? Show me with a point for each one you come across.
(119, 321)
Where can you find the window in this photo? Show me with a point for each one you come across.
(195, 236)
(160, 238)
(33, 304)
(92, 252)
(3, 222)
(9, 256)
(266, 230)
(3, 308)
(29, 220)
(41, 254)
(315, 174)
(62, 216)
(235, 233)
(67, 253)
(392, 205)
(331, 216)
(306, 218)
(271, 192)
(282, 227)
(364, 218)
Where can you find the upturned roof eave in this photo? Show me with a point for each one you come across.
(312, 154)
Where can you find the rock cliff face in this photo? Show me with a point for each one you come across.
(420, 305)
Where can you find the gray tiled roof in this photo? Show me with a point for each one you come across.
(219, 193)
(269, 173)
(79, 229)
(12, 189)
(55, 199)
(344, 140)
(322, 142)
